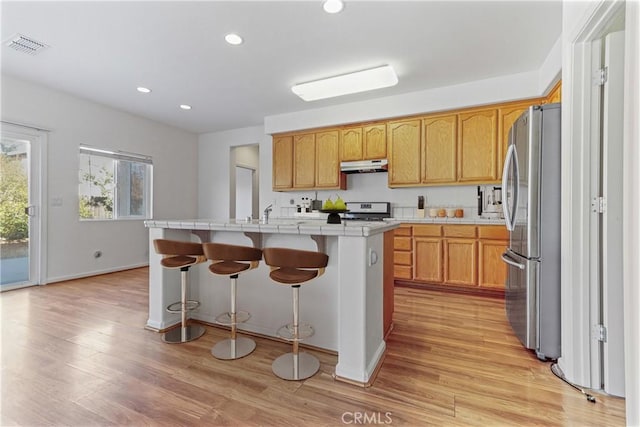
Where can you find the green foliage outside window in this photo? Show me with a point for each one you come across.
(14, 198)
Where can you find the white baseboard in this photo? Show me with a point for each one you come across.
(94, 273)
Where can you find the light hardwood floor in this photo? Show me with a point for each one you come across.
(76, 353)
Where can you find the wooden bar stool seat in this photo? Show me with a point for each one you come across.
(295, 267)
(231, 260)
(181, 255)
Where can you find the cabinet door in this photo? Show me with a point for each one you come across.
(478, 146)
(507, 115)
(439, 149)
(304, 160)
(375, 142)
(282, 178)
(404, 153)
(492, 272)
(351, 144)
(428, 259)
(460, 261)
(327, 159)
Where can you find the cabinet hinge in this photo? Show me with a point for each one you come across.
(599, 332)
(601, 76)
(599, 205)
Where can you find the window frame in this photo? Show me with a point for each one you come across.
(119, 158)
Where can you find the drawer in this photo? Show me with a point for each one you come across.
(494, 232)
(403, 230)
(402, 243)
(427, 230)
(402, 258)
(402, 272)
(460, 231)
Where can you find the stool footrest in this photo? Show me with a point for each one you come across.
(225, 318)
(176, 307)
(305, 330)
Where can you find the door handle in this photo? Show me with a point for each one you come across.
(30, 210)
(506, 258)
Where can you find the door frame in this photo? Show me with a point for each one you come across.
(37, 138)
(593, 23)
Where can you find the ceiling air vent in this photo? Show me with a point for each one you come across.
(25, 44)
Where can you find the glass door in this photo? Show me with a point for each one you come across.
(19, 209)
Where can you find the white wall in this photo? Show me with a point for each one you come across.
(215, 166)
(74, 121)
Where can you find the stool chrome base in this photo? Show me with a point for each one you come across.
(180, 334)
(233, 349)
(286, 367)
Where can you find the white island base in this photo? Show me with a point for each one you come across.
(345, 305)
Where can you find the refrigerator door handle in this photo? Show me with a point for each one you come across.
(512, 157)
(506, 258)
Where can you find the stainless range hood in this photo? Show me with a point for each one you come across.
(364, 166)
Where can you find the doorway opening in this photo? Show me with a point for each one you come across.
(244, 182)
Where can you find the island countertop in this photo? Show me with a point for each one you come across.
(279, 226)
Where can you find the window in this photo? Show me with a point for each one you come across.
(114, 185)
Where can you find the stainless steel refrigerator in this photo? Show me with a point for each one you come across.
(531, 204)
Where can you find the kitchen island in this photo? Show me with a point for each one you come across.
(345, 305)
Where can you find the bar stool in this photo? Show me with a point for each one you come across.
(182, 255)
(226, 261)
(295, 267)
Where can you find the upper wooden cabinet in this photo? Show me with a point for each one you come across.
(351, 144)
(507, 115)
(304, 160)
(439, 149)
(461, 147)
(363, 143)
(478, 146)
(282, 162)
(327, 158)
(374, 138)
(307, 160)
(404, 148)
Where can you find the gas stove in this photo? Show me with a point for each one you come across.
(367, 211)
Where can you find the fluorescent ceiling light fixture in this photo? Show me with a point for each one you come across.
(333, 6)
(185, 106)
(143, 89)
(233, 39)
(360, 81)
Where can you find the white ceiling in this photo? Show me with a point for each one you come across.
(102, 51)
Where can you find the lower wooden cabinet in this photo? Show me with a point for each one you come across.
(428, 252)
(403, 252)
(460, 262)
(456, 257)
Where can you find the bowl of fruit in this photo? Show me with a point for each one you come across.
(333, 209)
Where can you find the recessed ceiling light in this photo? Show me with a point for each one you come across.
(143, 89)
(360, 81)
(333, 6)
(185, 106)
(233, 39)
